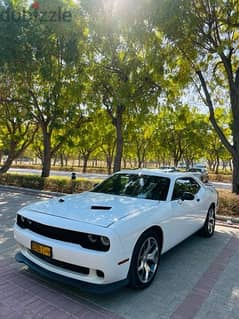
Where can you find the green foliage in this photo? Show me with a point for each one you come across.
(62, 185)
(46, 73)
(108, 83)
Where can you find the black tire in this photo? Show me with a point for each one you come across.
(209, 225)
(145, 260)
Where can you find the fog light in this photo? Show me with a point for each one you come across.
(100, 273)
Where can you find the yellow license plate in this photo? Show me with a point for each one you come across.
(41, 249)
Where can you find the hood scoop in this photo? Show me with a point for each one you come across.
(101, 207)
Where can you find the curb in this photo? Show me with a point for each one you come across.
(228, 219)
(228, 225)
(32, 191)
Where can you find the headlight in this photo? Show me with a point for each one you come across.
(105, 241)
(97, 242)
(92, 238)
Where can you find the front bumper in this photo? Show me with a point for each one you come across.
(73, 254)
(89, 287)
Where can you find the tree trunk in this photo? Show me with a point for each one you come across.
(235, 175)
(175, 161)
(224, 165)
(7, 164)
(13, 155)
(109, 164)
(55, 160)
(217, 165)
(125, 163)
(119, 138)
(139, 158)
(61, 160)
(85, 161)
(46, 168)
(235, 134)
(234, 99)
(210, 162)
(79, 160)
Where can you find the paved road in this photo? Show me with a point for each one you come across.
(196, 280)
(218, 185)
(58, 173)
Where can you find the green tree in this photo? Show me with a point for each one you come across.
(47, 75)
(140, 136)
(123, 73)
(17, 130)
(215, 150)
(86, 139)
(180, 132)
(205, 33)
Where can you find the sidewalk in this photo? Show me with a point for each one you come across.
(196, 280)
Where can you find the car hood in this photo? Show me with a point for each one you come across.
(93, 208)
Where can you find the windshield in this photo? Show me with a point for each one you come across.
(135, 185)
(195, 170)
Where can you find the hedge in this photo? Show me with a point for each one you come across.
(55, 184)
(225, 178)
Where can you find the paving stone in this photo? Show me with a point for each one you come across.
(196, 280)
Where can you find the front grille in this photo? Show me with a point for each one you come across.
(61, 234)
(62, 264)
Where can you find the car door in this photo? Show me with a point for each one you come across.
(186, 216)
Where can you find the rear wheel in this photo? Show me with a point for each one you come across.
(209, 225)
(145, 260)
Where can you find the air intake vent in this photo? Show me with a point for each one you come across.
(101, 207)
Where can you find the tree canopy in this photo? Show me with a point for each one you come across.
(110, 80)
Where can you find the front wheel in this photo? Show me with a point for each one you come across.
(145, 260)
(209, 225)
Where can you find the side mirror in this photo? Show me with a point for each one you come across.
(187, 196)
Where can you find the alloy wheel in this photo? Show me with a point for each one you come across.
(148, 259)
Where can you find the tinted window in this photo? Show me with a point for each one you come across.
(135, 185)
(185, 184)
(195, 170)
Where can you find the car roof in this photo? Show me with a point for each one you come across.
(158, 172)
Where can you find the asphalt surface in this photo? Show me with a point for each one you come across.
(218, 185)
(58, 173)
(198, 279)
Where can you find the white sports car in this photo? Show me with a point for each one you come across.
(114, 234)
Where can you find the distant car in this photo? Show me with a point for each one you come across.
(200, 165)
(168, 168)
(182, 165)
(114, 234)
(200, 172)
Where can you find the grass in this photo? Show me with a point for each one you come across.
(228, 203)
(224, 178)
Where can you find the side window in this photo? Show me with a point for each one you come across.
(193, 186)
(184, 184)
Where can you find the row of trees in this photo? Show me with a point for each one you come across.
(108, 80)
(173, 135)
